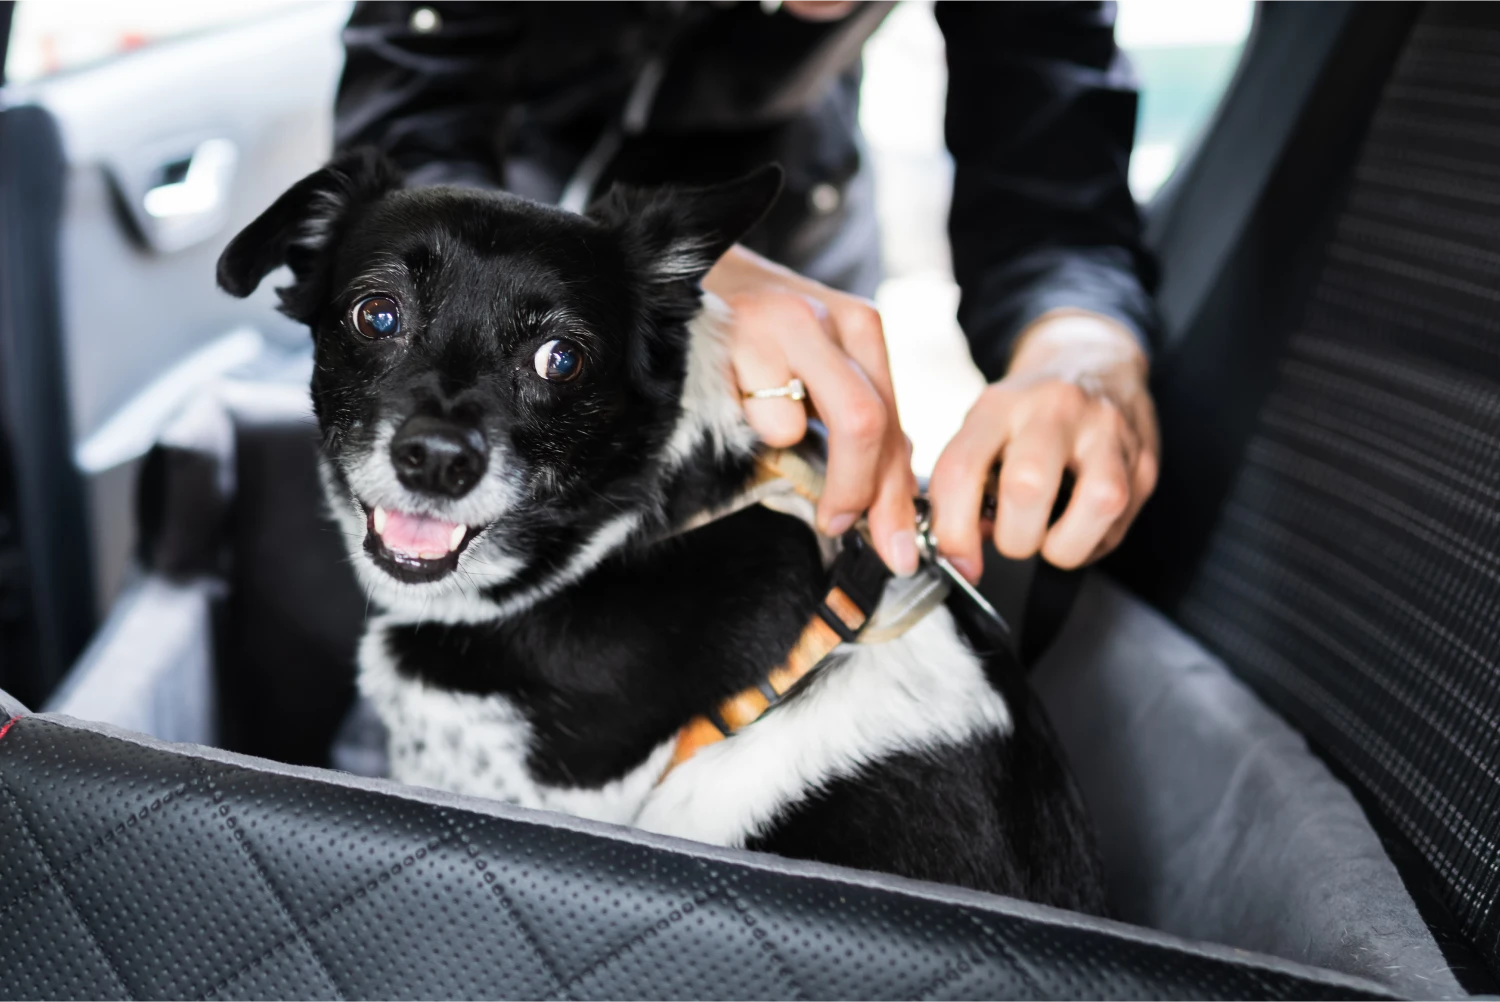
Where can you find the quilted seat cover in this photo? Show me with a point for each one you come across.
(135, 868)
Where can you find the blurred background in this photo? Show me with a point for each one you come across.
(180, 121)
(1184, 52)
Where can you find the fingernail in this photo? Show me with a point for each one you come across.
(902, 545)
(839, 524)
(968, 568)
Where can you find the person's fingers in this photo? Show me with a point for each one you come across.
(778, 336)
(857, 420)
(892, 515)
(1031, 470)
(956, 486)
(1143, 480)
(1103, 457)
(760, 363)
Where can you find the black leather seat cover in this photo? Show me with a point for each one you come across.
(133, 868)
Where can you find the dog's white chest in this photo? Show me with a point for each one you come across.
(922, 691)
(479, 745)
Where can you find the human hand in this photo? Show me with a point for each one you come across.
(786, 325)
(1075, 398)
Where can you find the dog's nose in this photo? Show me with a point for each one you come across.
(434, 456)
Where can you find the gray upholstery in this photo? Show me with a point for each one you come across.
(1215, 819)
(151, 668)
(10, 707)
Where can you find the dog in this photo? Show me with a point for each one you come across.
(525, 414)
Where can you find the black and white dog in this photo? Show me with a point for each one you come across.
(519, 408)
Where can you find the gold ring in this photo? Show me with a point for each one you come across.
(793, 390)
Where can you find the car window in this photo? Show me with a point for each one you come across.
(1184, 53)
(49, 37)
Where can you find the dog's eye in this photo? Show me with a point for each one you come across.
(558, 361)
(377, 317)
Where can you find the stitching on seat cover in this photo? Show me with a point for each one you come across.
(60, 868)
(559, 985)
(565, 991)
(963, 966)
(952, 972)
(1033, 986)
(743, 906)
(525, 929)
(716, 888)
(441, 816)
(323, 916)
(298, 931)
(63, 889)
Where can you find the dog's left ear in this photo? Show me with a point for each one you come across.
(678, 233)
(298, 226)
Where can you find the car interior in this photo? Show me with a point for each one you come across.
(1281, 696)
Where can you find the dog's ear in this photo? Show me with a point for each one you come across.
(678, 233)
(297, 227)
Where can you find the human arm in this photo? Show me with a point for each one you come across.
(1055, 304)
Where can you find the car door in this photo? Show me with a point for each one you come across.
(138, 138)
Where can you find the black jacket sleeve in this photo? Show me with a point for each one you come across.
(431, 96)
(1040, 122)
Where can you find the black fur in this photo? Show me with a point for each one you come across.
(607, 654)
(608, 669)
(932, 816)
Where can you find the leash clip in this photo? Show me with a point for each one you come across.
(927, 547)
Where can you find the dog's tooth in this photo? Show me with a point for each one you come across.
(379, 521)
(430, 555)
(457, 537)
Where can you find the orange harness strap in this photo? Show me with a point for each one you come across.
(856, 581)
(817, 641)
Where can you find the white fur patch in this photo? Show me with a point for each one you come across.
(710, 403)
(479, 745)
(454, 599)
(373, 481)
(925, 690)
(485, 562)
(324, 207)
(606, 539)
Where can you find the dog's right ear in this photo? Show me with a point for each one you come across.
(298, 226)
(678, 233)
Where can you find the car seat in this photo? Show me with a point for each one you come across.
(1324, 532)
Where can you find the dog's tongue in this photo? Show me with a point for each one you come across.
(417, 535)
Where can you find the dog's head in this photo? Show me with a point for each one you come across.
(506, 391)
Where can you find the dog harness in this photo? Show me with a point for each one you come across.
(861, 604)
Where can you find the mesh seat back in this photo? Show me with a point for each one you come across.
(1354, 571)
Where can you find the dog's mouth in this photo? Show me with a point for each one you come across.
(414, 548)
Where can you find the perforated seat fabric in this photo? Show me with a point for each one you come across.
(1354, 573)
(133, 868)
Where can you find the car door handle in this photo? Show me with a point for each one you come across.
(197, 187)
(175, 199)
